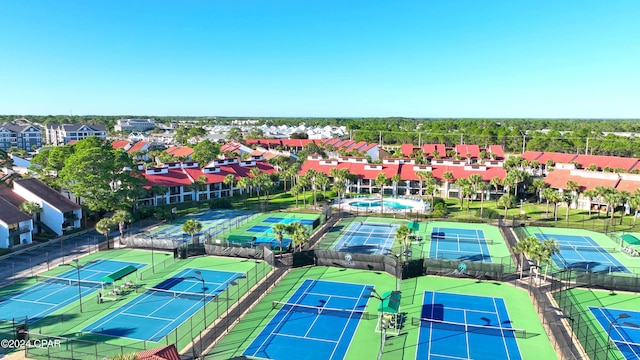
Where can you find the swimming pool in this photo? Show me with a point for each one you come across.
(377, 203)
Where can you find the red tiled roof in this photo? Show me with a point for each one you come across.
(464, 149)
(602, 162)
(406, 149)
(558, 179)
(628, 185)
(119, 144)
(173, 177)
(459, 172)
(369, 147)
(532, 155)
(347, 144)
(496, 149)
(180, 151)
(168, 352)
(359, 146)
(138, 146)
(429, 148)
(556, 157)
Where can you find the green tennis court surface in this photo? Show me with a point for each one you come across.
(52, 294)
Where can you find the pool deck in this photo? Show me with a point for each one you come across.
(417, 204)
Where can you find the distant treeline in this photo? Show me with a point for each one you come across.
(560, 135)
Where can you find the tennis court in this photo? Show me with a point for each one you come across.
(624, 332)
(319, 321)
(54, 293)
(260, 230)
(456, 326)
(582, 252)
(459, 244)
(162, 308)
(367, 237)
(213, 222)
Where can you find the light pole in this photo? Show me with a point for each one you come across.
(383, 323)
(77, 267)
(204, 294)
(615, 321)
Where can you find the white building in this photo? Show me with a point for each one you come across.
(64, 133)
(15, 226)
(58, 213)
(134, 124)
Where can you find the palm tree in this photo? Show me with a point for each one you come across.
(623, 198)
(574, 188)
(555, 198)
(482, 186)
(322, 180)
(302, 184)
(506, 201)
(462, 183)
(279, 230)
(31, 208)
(634, 202)
(550, 247)
(591, 195)
(311, 177)
(523, 247)
(104, 226)
(299, 234)
(431, 186)
(158, 190)
(254, 173)
(401, 235)
(495, 182)
(295, 191)
(396, 181)
(192, 227)
(423, 175)
(229, 180)
(243, 184)
(122, 217)
(612, 199)
(539, 185)
(199, 185)
(339, 187)
(447, 177)
(474, 180)
(567, 197)
(508, 182)
(381, 180)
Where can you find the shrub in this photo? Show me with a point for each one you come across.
(222, 203)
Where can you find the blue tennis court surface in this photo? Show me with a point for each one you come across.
(43, 298)
(276, 220)
(258, 228)
(459, 244)
(625, 337)
(317, 323)
(213, 222)
(455, 326)
(582, 252)
(368, 238)
(157, 312)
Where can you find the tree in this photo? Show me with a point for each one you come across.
(31, 208)
(192, 227)
(104, 226)
(396, 180)
(200, 184)
(229, 180)
(495, 182)
(474, 180)
(322, 180)
(567, 197)
(423, 175)
(243, 184)
(299, 234)
(401, 235)
(464, 189)
(235, 133)
(549, 248)
(539, 185)
(591, 195)
(122, 217)
(612, 199)
(339, 187)
(278, 231)
(381, 181)
(295, 191)
(524, 247)
(506, 201)
(303, 183)
(205, 151)
(483, 188)
(555, 198)
(634, 202)
(447, 177)
(101, 176)
(255, 181)
(311, 180)
(159, 190)
(623, 198)
(574, 188)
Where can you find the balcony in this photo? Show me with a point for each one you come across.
(20, 230)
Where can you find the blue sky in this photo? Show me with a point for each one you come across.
(473, 58)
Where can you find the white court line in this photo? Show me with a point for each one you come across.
(305, 338)
(337, 296)
(34, 302)
(344, 328)
(504, 339)
(148, 317)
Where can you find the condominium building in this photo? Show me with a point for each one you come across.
(134, 124)
(62, 134)
(20, 136)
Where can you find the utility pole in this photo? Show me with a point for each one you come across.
(524, 142)
(586, 150)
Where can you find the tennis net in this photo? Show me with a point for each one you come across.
(343, 313)
(460, 327)
(458, 238)
(595, 248)
(185, 295)
(69, 282)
